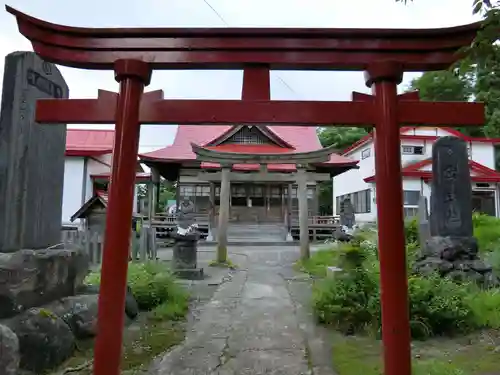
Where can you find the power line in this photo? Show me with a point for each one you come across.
(227, 25)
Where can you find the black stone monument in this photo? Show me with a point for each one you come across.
(31, 155)
(452, 249)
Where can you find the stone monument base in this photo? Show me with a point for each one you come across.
(455, 257)
(187, 274)
(185, 257)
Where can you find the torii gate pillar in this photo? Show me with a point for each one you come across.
(383, 78)
(133, 76)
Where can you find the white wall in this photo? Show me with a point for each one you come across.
(73, 187)
(353, 180)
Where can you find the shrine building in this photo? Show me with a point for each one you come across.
(416, 151)
(256, 197)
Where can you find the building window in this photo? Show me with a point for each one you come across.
(361, 201)
(366, 153)
(248, 135)
(410, 203)
(411, 197)
(412, 150)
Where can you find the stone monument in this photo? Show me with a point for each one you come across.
(31, 188)
(424, 231)
(31, 156)
(452, 249)
(186, 236)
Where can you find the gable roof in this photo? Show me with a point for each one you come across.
(100, 197)
(420, 169)
(299, 138)
(89, 142)
(264, 131)
(368, 138)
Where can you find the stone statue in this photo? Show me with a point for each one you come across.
(186, 222)
(347, 216)
(184, 260)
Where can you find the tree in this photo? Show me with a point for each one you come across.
(446, 85)
(340, 137)
(487, 90)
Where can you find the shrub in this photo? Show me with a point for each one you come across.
(151, 283)
(487, 232)
(348, 302)
(411, 231)
(438, 306)
(351, 303)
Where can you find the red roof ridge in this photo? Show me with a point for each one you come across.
(414, 170)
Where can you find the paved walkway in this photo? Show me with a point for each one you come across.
(257, 322)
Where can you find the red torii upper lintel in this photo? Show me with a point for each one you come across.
(232, 48)
(251, 112)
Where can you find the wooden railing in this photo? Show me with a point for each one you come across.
(141, 249)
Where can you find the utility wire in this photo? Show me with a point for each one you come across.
(219, 16)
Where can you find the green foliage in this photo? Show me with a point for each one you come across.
(340, 137)
(438, 306)
(350, 301)
(411, 231)
(152, 284)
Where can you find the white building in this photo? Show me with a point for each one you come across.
(87, 169)
(416, 153)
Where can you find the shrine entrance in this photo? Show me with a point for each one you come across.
(133, 54)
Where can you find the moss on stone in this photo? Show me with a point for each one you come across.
(225, 264)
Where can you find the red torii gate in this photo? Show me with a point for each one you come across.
(133, 53)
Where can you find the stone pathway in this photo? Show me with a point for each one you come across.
(257, 322)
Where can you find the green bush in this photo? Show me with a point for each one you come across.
(438, 306)
(152, 284)
(348, 302)
(411, 231)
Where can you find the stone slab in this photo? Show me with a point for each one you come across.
(31, 155)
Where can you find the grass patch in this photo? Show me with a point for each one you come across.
(354, 355)
(163, 304)
(143, 341)
(227, 264)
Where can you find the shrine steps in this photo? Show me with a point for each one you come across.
(254, 234)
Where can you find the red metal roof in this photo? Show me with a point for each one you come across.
(301, 138)
(414, 170)
(89, 142)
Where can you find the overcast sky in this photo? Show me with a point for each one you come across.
(235, 13)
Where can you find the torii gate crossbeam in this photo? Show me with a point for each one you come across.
(384, 55)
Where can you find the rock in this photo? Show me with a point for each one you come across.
(9, 351)
(131, 306)
(79, 313)
(45, 340)
(30, 278)
(451, 248)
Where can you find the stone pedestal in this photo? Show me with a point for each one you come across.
(185, 257)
